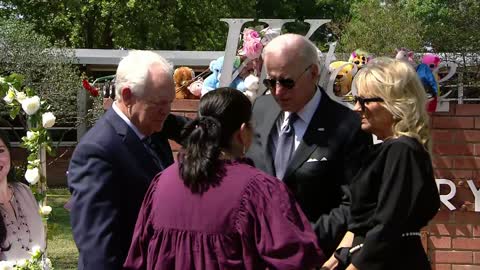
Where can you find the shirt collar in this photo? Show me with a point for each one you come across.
(306, 113)
(117, 110)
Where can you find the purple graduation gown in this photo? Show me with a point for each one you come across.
(248, 221)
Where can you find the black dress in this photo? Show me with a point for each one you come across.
(393, 194)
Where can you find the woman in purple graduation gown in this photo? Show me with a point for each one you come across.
(213, 210)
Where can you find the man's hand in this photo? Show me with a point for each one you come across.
(352, 267)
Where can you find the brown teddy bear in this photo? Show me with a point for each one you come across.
(183, 77)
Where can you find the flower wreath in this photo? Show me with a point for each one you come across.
(254, 40)
(36, 262)
(37, 141)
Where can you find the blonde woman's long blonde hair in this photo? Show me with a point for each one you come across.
(397, 83)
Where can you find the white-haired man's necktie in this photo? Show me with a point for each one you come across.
(285, 147)
(151, 149)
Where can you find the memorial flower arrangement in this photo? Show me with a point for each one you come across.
(36, 262)
(23, 102)
(39, 118)
(254, 40)
(93, 91)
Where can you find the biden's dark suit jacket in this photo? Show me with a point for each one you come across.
(108, 176)
(322, 166)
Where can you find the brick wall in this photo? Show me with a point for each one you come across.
(187, 108)
(454, 236)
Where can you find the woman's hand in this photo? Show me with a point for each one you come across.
(331, 264)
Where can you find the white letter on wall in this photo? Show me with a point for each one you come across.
(476, 194)
(445, 198)
(234, 27)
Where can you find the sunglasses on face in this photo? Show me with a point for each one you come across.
(287, 83)
(364, 101)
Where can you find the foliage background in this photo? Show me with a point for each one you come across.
(50, 72)
(376, 25)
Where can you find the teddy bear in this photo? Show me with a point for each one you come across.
(183, 77)
(251, 84)
(405, 55)
(212, 82)
(196, 87)
(343, 80)
(360, 58)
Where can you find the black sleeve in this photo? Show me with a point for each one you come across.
(173, 126)
(402, 182)
(330, 228)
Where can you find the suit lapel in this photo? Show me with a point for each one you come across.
(316, 136)
(272, 112)
(132, 142)
(162, 148)
(138, 150)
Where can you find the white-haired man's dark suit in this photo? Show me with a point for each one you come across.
(109, 174)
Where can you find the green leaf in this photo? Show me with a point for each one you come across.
(3, 89)
(29, 91)
(14, 110)
(50, 151)
(38, 196)
(16, 80)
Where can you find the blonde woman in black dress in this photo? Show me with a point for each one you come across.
(394, 195)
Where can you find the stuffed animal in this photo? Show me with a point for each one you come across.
(431, 60)
(343, 80)
(196, 87)
(182, 77)
(213, 80)
(430, 84)
(405, 55)
(360, 58)
(429, 79)
(251, 84)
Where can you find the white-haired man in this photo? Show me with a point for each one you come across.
(112, 166)
(307, 140)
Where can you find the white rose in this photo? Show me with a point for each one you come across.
(30, 135)
(21, 263)
(21, 96)
(32, 176)
(45, 210)
(36, 251)
(6, 265)
(48, 120)
(31, 105)
(10, 96)
(48, 262)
